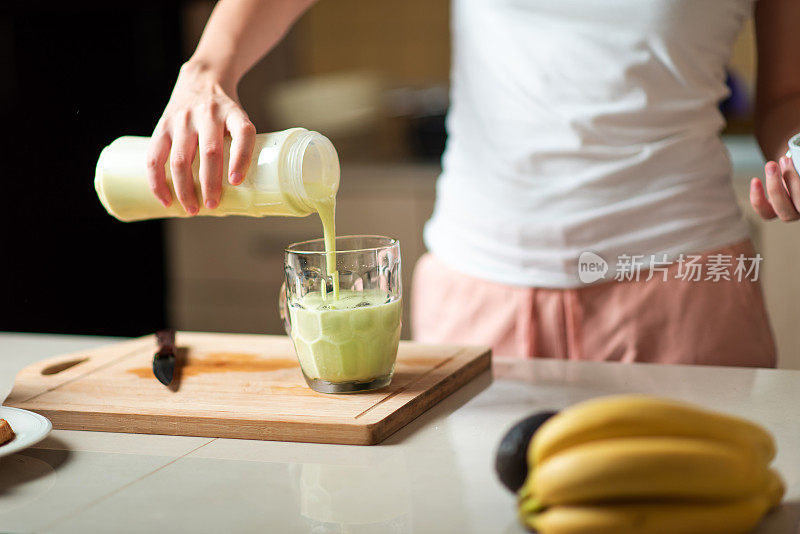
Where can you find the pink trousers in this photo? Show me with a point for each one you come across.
(705, 322)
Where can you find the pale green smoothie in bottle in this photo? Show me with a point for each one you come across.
(291, 173)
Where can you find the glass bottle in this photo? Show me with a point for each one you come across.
(291, 174)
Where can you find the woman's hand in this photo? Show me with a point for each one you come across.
(783, 187)
(203, 108)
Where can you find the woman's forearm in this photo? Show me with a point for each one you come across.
(776, 124)
(239, 33)
(778, 84)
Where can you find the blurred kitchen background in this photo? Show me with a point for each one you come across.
(372, 76)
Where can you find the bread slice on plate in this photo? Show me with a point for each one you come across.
(6, 434)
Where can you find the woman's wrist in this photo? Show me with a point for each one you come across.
(210, 73)
(776, 124)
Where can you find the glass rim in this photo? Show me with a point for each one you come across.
(391, 242)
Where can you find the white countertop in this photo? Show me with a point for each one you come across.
(433, 476)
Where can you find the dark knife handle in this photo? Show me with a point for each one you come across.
(166, 341)
(164, 359)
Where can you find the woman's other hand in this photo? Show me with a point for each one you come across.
(783, 188)
(777, 107)
(203, 108)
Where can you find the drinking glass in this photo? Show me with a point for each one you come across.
(349, 343)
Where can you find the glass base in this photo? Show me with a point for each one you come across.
(326, 386)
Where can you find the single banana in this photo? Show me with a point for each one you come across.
(641, 415)
(731, 517)
(646, 468)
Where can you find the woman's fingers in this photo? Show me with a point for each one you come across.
(243, 137)
(210, 144)
(758, 199)
(778, 196)
(195, 125)
(184, 147)
(791, 180)
(157, 155)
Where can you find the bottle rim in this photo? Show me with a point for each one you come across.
(329, 161)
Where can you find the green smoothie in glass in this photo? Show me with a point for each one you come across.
(353, 338)
(345, 342)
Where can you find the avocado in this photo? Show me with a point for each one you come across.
(511, 461)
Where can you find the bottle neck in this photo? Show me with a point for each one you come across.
(312, 170)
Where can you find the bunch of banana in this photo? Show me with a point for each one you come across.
(645, 465)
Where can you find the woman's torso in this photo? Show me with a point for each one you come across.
(581, 125)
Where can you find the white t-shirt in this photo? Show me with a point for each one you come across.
(584, 125)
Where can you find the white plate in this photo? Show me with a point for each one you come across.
(30, 428)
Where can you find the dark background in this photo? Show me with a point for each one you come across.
(74, 80)
(77, 76)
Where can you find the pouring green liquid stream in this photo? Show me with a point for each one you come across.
(326, 209)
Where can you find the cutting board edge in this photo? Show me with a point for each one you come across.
(254, 429)
(460, 375)
(385, 425)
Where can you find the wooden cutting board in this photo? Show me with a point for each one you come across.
(235, 386)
